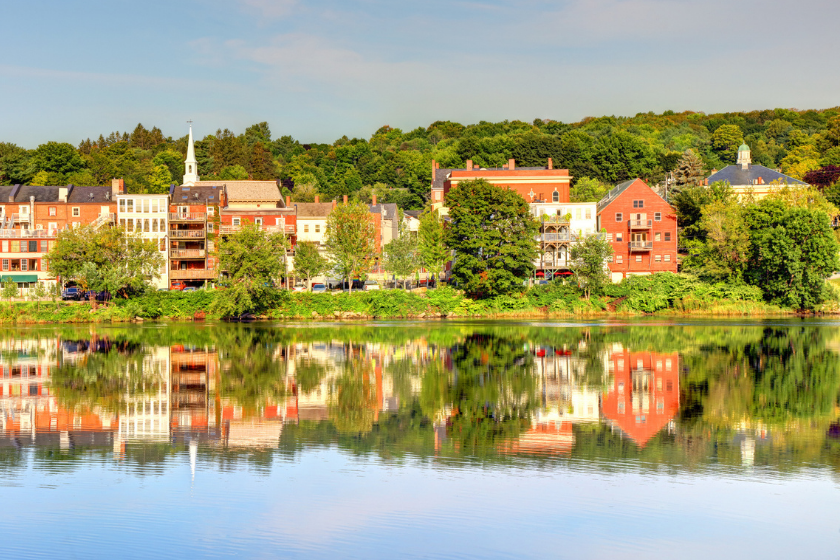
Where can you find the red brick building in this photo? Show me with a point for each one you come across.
(642, 227)
(644, 395)
(534, 184)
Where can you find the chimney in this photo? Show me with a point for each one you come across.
(345, 199)
(317, 199)
(117, 187)
(511, 164)
(469, 165)
(550, 164)
(373, 196)
(223, 198)
(333, 204)
(14, 193)
(288, 201)
(434, 167)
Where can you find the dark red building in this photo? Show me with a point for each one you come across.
(642, 227)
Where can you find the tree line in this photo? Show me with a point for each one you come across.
(396, 165)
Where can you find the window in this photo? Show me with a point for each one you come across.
(154, 226)
(589, 213)
(638, 258)
(236, 221)
(555, 196)
(657, 258)
(619, 217)
(667, 258)
(24, 264)
(577, 214)
(24, 210)
(76, 212)
(210, 210)
(638, 204)
(657, 216)
(162, 225)
(5, 264)
(52, 226)
(306, 228)
(122, 205)
(317, 228)
(130, 205)
(19, 246)
(45, 246)
(145, 206)
(162, 244)
(619, 238)
(210, 227)
(657, 236)
(667, 236)
(130, 225)
(5, 246)
(52, 210)
(155, 206)
(146, 225)
(183, 210)
(122, 222)
(33, 246)
(619, 259)
(258, 221)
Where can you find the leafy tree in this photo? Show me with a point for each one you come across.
(160, 180)
(689, 170)
(493, 235)
(55, 294)
(401, 256)
(174, 162)
(10, 289)
(431, 242)
(800, 161)
(726, 140)
(15, 166)
(619, 155)
(233, 173)
(350, 240)
(309, 262)
(689, 201)
(250, 260)
(793, 252)
(588, 263)
(725, 251)
(57, 157)
(823, 177)
(588, 190)
(39, 293)
(305, 192)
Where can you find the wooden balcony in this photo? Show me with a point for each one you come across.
(192, 274)
(187, 253)
(641, 224)
(189, 217)
(187, 233)
(636, 246)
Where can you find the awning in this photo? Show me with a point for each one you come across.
(19, 277)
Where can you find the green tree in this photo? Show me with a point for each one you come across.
(689, 170)
(309, 262)
(10, 289)
(401, 256)
(250, 261)
(588, 190)
(724, 253)
(589, 263)
(689, 201)
(726, 140)
(174, 162)
(39, 293)
(493, 235)
(431, 243)
(233, 173)
(350, 240)
(160, 180)
(59, 158)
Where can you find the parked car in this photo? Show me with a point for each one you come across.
(299, 288)
(318, 288)
(178, 285)
(370, 285)
(357, 285)
(189, 289)
(71, 293)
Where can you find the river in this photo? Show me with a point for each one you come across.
(517, 439)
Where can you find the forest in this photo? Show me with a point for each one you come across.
(396, 165)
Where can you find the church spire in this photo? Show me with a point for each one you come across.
(190, 165)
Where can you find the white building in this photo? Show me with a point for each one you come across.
(147, 215)
(562, 224)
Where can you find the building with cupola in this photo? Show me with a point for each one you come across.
(749, 179)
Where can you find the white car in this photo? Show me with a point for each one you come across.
(371, 285)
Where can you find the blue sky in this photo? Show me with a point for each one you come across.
(320, 69)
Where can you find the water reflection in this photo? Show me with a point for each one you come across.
(676, 396)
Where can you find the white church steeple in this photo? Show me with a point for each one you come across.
(190, 165)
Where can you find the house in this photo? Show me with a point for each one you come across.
(148, 216)
(534, 184)
(193, 227)
(642, 228)
(644, 394)
(561, 226)
(312, 220)
(257, 202)
(411, 221)
(748, 179)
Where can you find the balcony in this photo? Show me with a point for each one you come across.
(192, 274)
(189, 217)
(187, 253)
(187, 233)
(558, 237)
(28, 233)
(288, 229)
(554, 220)
(641, 246)
(641, 224)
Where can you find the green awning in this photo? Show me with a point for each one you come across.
(19, 277)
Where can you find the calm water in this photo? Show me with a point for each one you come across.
(646, 439)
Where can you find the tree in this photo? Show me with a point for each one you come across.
(493, 235)
(689, 170)
(726, 140)
(588, 263)
(55, 294)
(823, 177)
(91, 256)
(431, 245)
(39, 293)
(689, 201)
(60, 158)
(350, 240)
(233, 173)
(793, 251)
(401, 256)
(10, 289)
(160, 180)
(309, 262)
(588, 190)
(173, 161)
(250, 260)
(800, 161)
(305, 191)
(724, 253)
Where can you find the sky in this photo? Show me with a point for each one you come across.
(321, 69)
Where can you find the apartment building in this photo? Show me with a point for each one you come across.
(148, 216)
(193, 231)
(562, 225)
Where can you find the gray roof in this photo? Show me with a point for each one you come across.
(101, 195)
(41, 194)
(389, 211)
(5, 191)
(313, 209)
(735, 175)
(440, 178)
(206, 195)
(413, 213)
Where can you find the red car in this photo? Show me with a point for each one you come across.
(178, 285)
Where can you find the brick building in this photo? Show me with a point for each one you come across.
(642, 227)
(193, 226)
(534, 184)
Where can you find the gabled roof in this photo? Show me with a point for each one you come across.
(196, 195)
(41, 194)
(440, 178)
(101, 195)
(736, 175)
(388, 211)
(620, 188)
(238, 191)
(313, 209)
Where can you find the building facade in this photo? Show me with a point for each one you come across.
(148, 216)
(642, 228)
(562, 225)
(750, 180)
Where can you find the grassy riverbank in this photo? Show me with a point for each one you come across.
(663, 294)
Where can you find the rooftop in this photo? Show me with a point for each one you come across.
(246, 190)
(736, 175)
(196, 195)
(313, 209)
